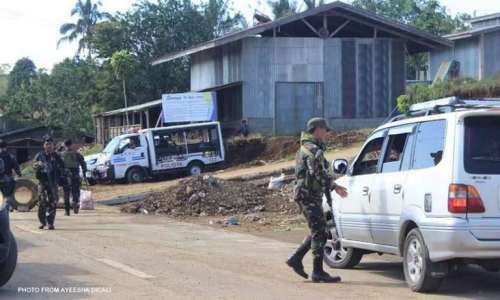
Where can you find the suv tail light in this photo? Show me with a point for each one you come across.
(464, 199)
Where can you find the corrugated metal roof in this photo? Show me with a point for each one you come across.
(472, 32)
(485, 18)
(341, 9)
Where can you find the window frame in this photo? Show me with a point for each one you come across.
(376, 135)
(445, 138)
(408, 129)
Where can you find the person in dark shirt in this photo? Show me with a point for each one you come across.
(8, 166)
(49, 169)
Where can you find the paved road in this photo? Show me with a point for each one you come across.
(142, 257)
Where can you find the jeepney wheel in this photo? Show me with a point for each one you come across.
(9, 265)
(195, 168)
(136, 175)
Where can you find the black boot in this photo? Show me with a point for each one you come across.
(76, 208)
(295, 261)
(67, 212)
(319, 275)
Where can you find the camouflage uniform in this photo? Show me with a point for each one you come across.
(72, 163)
(312, 180)
(49, 168)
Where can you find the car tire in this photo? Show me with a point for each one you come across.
(417, 265)
(195, 168)
(28, 203)
(9, 265)
(136, 175)
(337, 257)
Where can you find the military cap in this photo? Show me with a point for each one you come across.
(317, 123)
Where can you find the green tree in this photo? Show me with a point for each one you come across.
(219, 18)
(122, 62)
(310, 4)
(108, 37)
(88, 15)
(283, 8)
(23, 72)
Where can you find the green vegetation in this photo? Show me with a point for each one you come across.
(3, 84)
(462, 88)
(92, 149)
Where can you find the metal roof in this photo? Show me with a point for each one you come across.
(418, 40)
(472, 32)
(484, 18)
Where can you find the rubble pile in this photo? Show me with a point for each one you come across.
(209, 196)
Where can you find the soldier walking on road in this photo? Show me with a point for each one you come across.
(8, 165)
(313, 179)
(49, 167)
(73, 160)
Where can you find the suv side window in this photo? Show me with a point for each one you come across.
(394, 153)
(429, 144)
(368, 160)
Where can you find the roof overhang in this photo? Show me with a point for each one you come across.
(472, 33)
(418, 41)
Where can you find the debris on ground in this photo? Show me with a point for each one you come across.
(209, 196)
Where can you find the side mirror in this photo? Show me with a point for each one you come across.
(339, 166)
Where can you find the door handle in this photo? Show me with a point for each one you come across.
(397, 188)
(365, 190)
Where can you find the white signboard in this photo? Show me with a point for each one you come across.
(189, 107)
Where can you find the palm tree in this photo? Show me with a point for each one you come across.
(88, 16)
(283, 8)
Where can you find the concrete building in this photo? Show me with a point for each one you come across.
(476, 50)
(335, 61)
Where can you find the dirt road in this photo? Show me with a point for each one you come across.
(146, 257)
(108, 191)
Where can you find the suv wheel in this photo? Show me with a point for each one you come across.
(417, 265)
(9, 265)
(338, 257)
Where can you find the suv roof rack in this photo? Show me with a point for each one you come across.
(446, 105)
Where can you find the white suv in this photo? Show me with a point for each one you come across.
(425, 186)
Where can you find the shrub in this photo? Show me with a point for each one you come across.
(463, 88)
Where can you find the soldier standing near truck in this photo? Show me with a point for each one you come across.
(313, 180)
(72, 163)
(49, 169)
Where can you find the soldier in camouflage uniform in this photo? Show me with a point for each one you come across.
(73, 161)
(49, 169)
(313, 180)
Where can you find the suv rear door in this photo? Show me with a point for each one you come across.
(481, 163)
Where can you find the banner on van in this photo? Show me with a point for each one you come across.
(189, 107)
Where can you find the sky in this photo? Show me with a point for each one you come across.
(30, 28)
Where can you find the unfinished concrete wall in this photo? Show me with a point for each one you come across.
(492, 53)
(465, 51)
(360, 80)
(216, 67)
